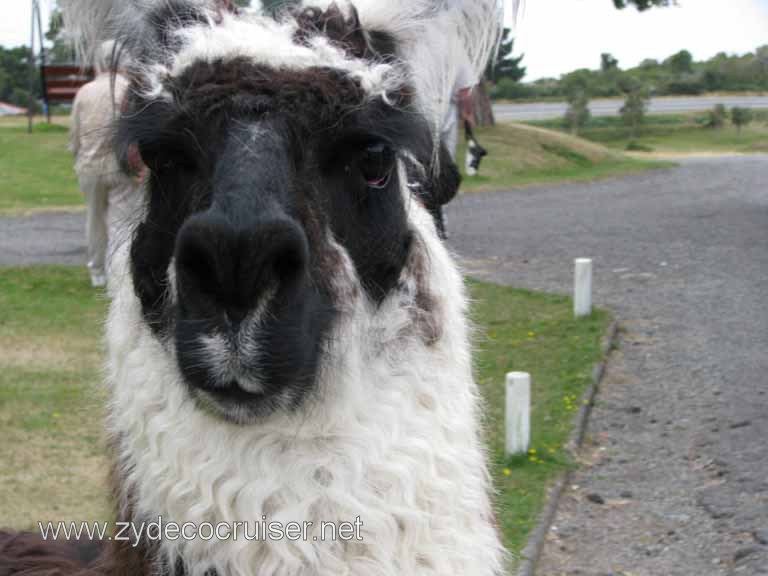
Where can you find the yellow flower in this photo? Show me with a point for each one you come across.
(532, 451)
(532, 459)
(507, 472)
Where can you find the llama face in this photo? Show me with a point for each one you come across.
(266, 181)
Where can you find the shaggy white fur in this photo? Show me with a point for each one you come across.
(390, 437)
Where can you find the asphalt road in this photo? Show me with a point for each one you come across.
(610, 107)
(679, 450)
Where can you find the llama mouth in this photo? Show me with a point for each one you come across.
(234, 393)
(236, 405)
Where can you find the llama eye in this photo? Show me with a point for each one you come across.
(376, 164)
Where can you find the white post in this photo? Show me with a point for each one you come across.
(582, 288)
(518, 413)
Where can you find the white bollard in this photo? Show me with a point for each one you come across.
(582, 288)
(518, 415)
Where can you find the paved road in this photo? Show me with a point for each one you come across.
(679, 433)
(45, 238)
(610, 107)
(680, 452)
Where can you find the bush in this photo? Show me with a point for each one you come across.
(741, 117)
(716, 117)
(637, 147)
(509, 89)
(578, 113)
(20, 97)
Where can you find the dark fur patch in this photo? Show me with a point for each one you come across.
(425, 310)
(346, 32)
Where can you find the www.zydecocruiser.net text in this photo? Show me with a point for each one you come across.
(158, 530)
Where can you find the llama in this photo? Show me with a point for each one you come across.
(287, 339)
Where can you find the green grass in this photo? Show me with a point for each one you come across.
(673, 133)
(535, 333)
(36, 169)
(522, 155)
(50, 406)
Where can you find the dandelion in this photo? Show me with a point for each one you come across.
(507, 472)
(532, 451)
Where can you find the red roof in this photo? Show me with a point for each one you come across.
(11, 110)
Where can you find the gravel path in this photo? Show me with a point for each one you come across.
(679, 451)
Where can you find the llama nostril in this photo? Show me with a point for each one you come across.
(224, 269)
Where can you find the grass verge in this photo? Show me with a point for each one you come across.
(521, 155)
(51, 407)
(36, 169)
(673, 133)
(535, 333)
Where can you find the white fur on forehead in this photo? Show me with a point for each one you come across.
(266, 42)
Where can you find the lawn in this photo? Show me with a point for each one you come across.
(36, 169)
(674, 133)
(51, 405)
(520, 155)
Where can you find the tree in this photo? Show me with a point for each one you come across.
(635, 105)
(680, 63)
(577, 96)
(608, 63)
(642, 4)
(62, 51)
(504, 65)
(740, 117)
(716, 117)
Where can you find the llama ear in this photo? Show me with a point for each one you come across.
(438, 39)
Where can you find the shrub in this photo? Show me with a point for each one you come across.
(637, 147)
(741, 117)
(716, 117)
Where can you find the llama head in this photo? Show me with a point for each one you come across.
(287, 159)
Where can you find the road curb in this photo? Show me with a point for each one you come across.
(532, 551)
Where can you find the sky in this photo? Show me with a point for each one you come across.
(559, 36)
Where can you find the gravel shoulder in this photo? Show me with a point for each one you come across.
(675, 476)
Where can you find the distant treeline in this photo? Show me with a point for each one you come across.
(677, 75)
(14, 76)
